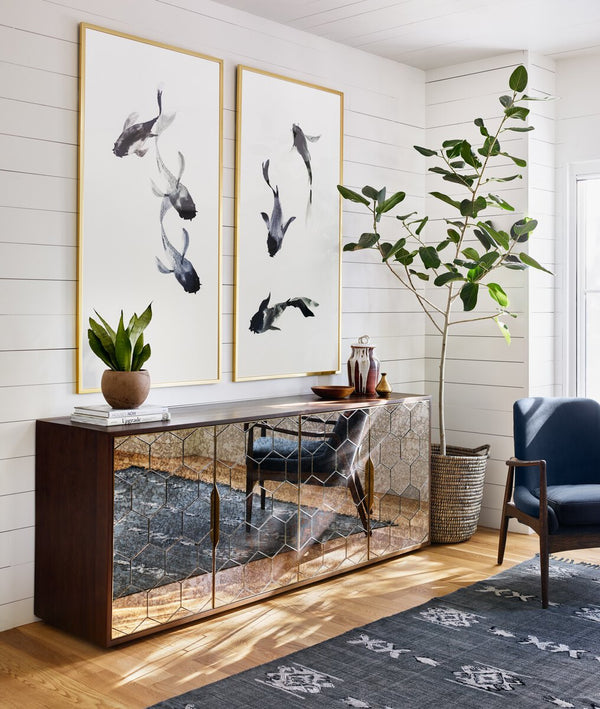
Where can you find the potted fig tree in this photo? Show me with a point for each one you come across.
(462, 272)
(124, 385)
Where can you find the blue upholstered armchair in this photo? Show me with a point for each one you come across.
(554, 478)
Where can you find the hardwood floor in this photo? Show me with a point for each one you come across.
(43, 667)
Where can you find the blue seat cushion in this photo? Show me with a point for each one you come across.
(574, 505)
(282, 453)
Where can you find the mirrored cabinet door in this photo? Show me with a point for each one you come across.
(398, 481)
(162, 547)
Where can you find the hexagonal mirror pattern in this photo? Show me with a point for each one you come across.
(210, 516)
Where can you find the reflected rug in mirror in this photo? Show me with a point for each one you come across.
(473, 648)
(162, 529)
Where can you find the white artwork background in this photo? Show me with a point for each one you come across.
(308, 263)
(120, 235)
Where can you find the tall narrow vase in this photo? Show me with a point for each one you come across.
(363, 368)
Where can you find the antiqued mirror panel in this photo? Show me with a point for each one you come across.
(257, 512)
(333, 508)
(398, 477)
(162, 546)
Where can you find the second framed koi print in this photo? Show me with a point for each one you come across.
(288, 240)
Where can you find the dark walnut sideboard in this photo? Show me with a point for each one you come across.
(144, 527)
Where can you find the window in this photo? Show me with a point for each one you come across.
(587, 283)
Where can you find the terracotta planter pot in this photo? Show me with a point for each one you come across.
(125, 390)
(456, 492)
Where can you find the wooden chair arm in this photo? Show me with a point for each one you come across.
(516, 463)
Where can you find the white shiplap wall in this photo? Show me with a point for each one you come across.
(484, 376)
(384, 117)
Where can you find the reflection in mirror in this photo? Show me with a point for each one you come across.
(209, 516)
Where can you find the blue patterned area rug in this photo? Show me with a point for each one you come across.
(476, 647)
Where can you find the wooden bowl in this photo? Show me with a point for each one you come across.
(333, 392)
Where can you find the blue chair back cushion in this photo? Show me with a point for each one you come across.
(565, 432)
(336, 454)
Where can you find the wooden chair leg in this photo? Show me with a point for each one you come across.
(544, 568)
(502, 536)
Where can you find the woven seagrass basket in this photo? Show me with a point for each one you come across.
(456, 492)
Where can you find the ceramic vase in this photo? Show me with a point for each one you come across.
(125, 390)
(383, 389)
(363, 368)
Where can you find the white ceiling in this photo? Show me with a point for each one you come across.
(432, 33)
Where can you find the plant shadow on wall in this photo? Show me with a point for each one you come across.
(462, 272)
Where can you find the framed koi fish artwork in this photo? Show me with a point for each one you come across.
(149, 212)
(288, 235)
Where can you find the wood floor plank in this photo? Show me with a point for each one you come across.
(43, 668)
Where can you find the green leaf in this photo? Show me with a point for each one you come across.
(530, 261)
(391, 202)
(489, 259)
(367, 240)
(404, 217)
(525, 97)
(500, 237)
(518, 79)
(497, 293)
(505, 179)
(104, 339)
(500, 202)
(422, 223)
(453, 235)
(471, 253)
(352, 196)
(123, 347)
(429, 256)
(425, 151)
(503, 329)
(467, 155)
(418, 274)
(513, 262)
(98, 349)
(442, 245)
(468, 295)
(518, 112)
(445, 198)
(444, 278)
(109, 330)
(458, 164)
(370, 192)
(484, 239)
(351, 246)
(141, 358)
(517, 161)
(520, 129)
(469, 208)
(138, 325)
(521, 229)
(392, 250)
(506, 101)
(451, 143)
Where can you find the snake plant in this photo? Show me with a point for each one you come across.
(123, 349)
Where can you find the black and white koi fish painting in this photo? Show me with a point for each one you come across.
(177, 193)
(275, 227)
(301, 145)
(264, 318)
(135, 136)
(181, 267)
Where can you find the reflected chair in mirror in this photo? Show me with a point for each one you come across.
(324, 457)
(554, 478)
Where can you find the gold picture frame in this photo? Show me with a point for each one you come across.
(289, 141)
(149, 201)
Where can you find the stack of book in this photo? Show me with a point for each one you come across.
(104, 415)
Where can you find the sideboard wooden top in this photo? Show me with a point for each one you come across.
(245, 410)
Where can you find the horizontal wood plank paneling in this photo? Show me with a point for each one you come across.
(384, 117)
